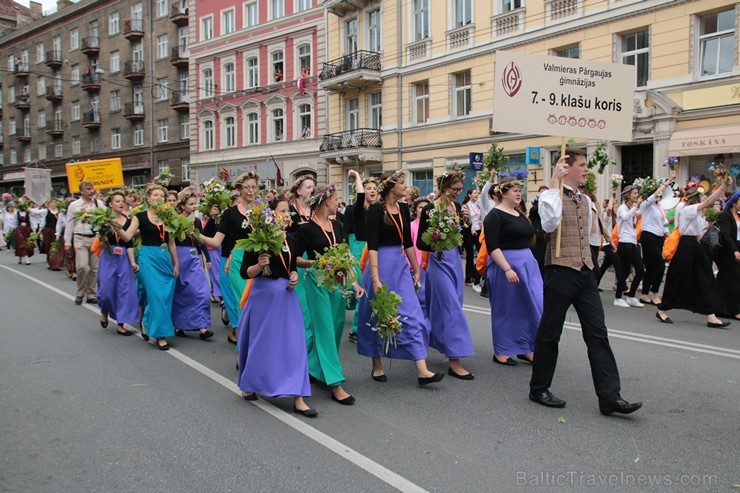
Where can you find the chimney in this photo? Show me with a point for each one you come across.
(37, 9)
(62, 4)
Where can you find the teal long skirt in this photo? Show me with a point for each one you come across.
(158, 285)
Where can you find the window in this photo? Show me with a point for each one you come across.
(304, 59)
(58, 150)
(717, 43)
(115, 138)
(206, 28)
(230, 131)
(13, 156)
(114, 23)
(42, 150)
(421, 102)
(56, 45)
(95, 144)
(635, 50)
(11, 94)
(163, 89)
(208, 135)
(278, 124)
(463, 12)
(161, 8)
(137, 51)
(424, 179)
(115, 61)
(41, 120)
(27, 155)
(462, 94)
(184, 78)
(163, 165)
(182, 41)
(278, 67)
(376, 110)
(304, 5)
(253, 74)
(304, 119)
(76, 147)
(229, 78)
(93, 30)
(350, 36)
(139, 134)
(277, 9)
(250, 14)
(11, 127)
(75, 74)
(253, 128)
(138, 97)
(24, 58)
(74, 39)
(75, 110)
(184, 126)
(353, 114)
(40, 55)
(569, 52)
(421, 19)
(208, 83)
(41, 85)
(227, 22)
(137, 12)
(373, 31)
(115, 100)
(162, 42)
(509, 5)
(185, 167)
(163, 129)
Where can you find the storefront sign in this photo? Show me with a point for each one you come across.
(476, 161)
(103, 173)
(533, 155)
(711, 97)
(563, 96)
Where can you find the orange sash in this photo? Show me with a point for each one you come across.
(97, 247)
(245, 294)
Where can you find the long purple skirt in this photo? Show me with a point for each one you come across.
(516, 309)
(117, 287)
(411, 341)
(421, 296)
(214, 256)
(272, 343)
(450, 334)
(191, 305)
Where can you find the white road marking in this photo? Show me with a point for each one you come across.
(384, 474)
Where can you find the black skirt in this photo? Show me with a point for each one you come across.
(728, 283)
(690, 283)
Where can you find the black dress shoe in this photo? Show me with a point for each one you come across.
(231, 341)
(250, 397)
(437, 377)
(467, 376)
(347, 401)
(379, 378)
(352, 337)
(92, 301)
(143, 333)
(619, 406)
(523, 357)
(309, 413)
(224, 317)
(124, 333)
(720, 325)
(180, 333)
(205, 335)
(545, 398)
(104, 324)
(508, 362)
(666, 320)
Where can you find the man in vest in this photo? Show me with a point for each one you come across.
(569, 280)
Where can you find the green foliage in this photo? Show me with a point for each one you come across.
(176, 225)
(268, 231)
(647, 186)
(493, 160)
(600, 159)
(101, 221)
(214, 193)
(711, 215)
(335, 268)
(385, 315)
(31, 240)
(589, 186)
(444, 231)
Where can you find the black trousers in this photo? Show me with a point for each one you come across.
(471, 245)
(565, 287)
(611, 258)
(629, 255)
(652, 254)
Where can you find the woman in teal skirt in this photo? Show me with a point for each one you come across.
(326, 308)
(158, 268)
(300, 214)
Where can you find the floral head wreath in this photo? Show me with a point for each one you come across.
(297, 184)
(318, 198)
(693, 189)
(370, 179)
(249, 175)
(153, 186)
(452, 172)
(502, 188)
(120, 191)
(391, 180)
(183, 198)
(628, 189)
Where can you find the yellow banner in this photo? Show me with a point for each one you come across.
(103, 173)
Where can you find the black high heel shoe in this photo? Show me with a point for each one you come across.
(379, 378)
(224, 316)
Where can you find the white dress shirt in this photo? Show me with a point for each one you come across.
(692, 223)
(77, 227)
(550, 209)
(626, 222)
(486, 203)
(653, 217)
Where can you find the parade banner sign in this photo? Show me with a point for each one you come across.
(37, 184)
(103, 173)
(566, 97)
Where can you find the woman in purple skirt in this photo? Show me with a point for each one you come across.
(390, 251)
(416, 209)
(191, 309)
(213, 257)
(272, 342)
(514, 280)
(450, 334)
(116, 295)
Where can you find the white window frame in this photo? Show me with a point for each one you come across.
(252, 72)
(300, 114)
(115, 138)
(352, 114)
(27, 154)
(58, 150)
(115, 62)
(41, 85)
(303, 5)
(115, 100)
(42, 151)
(74, 39)
(206, 89)
(75, 114)
(207, 141)
(12, 126)
(185, 169)
(75, 74)
(40, 53)
(455, 113)
(372, 108)
(114, 23)
(463, 8)
(162, 8)
(297, 45)
(13, 156)
(273, 120)
(623, 54)
(703, 38)
(138, 134)
(76, 145)
(351, 38)
(163, 130)
(248, 18)
(206, 28)
(228, 80)
(422, 13)
(252, 127)
(272, 11)
(163, 90)
(228, 27)
(272, 52)
(228, 139)
(41, 119)
(163, 41)
(374, 31)
(184, 121)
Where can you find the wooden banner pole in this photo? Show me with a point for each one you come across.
(560, 226)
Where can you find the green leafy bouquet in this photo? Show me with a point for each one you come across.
(214, 193)
(9, 235)
(711, 216)
(493, 160)
(589, 186)
(335, 268)
(616, 180)
(165, 176)
(54, 247)
(268, 232)
(444, 231)
(101, 221)
(600, 159)
(23, 205)
(31, 240)
(385, 315)
(176, 225)
(647, 186)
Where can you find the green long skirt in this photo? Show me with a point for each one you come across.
(356, 247)
(236, 281)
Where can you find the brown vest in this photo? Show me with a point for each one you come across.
(575, 251)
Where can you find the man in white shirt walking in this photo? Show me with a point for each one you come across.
(86, 261)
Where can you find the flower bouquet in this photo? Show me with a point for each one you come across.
(711, 215)
(335, 268)
(176, 225)
(721, 173)
(7, 197)
(647, 186)
(214, 193)
(616, 180)
(165, 176)
(31, 240)
(101, 221)
(385, 315)
(600, 158)
(671, 162)
(54, 248)
(494, 160)
(268, 232)
(23, 205)
(444, 230)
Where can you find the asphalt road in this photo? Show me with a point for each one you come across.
(82, 409)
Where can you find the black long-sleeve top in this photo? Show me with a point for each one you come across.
(210, 228)
(297, 219)
(359, 217)
(728, 230)
(313, 239)
(113, 240)
(190, 242)
(233, 227)
(506, 231)
(424, 224)
(276, 265)
(151, 234)
(347, 223)
(381, 232)
(51, 220)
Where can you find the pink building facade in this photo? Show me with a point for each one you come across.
(254, 66)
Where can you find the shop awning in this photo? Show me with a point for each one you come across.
(705, 141)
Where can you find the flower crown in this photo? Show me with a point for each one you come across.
(391, 180)
(502, 188)
(452, 172)
(370, 179)
(183, 198)
(628, 189)
(249, 175)
(297, 184)
(315, 200)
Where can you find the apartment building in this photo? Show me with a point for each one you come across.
(97, 79)
(257, 105)
(411, 81)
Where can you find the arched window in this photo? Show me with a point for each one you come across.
(229, 78)
(208, 83)
(253, 128)
(278, 124)
(253, 73)
(230, 131)
(208, 135)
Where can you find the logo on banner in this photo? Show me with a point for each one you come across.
(512, 79)
(476, 161)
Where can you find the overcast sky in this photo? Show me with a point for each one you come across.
(48, 4)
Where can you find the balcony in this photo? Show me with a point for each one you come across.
(341, 8)
(508, 23)
(418, 50)
(179, 56)
(54, 94)
(54, 59)
(460, 37)
(133, 112)
(133, 29)
(91, 120)
(560, 10)
(24, 135)
(353, 146)
(134, 70)
(90, 46)
(55, 128)
(358, 70)
(180, 101)
(23, 103)
(22, 71)
(91, 83)
(179, 14)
